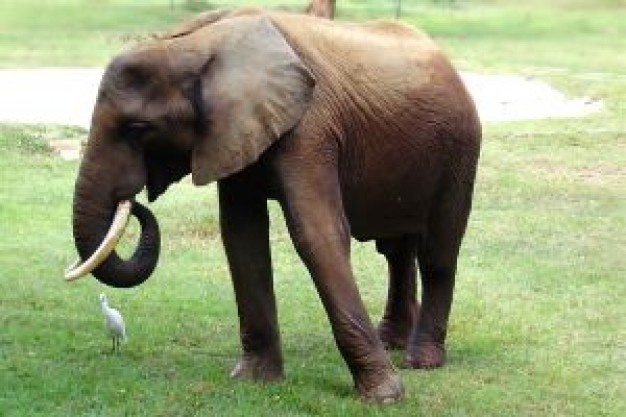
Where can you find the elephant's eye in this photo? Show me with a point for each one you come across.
(135, 132)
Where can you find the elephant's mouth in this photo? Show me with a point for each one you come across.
(106, 247)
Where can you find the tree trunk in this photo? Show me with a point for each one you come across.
(322, 8)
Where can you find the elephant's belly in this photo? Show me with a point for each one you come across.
(375, 217)
(386, 229)
(390, 191)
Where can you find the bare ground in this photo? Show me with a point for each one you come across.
(66, 96)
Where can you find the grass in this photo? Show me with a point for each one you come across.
(538, 322)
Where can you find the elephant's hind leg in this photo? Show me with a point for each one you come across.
(402, 308)
(426, 347)
(437, 254)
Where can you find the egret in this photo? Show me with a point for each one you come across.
(114, 323)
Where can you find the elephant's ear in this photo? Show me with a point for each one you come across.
(254, 90)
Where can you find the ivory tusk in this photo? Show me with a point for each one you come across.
(73, 266)
(120, 220)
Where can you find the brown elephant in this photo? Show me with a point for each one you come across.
(360, 130)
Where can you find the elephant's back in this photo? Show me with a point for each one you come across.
(399, 112)
(355, 46)
(376, 68)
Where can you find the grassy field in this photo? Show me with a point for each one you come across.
(538, 326)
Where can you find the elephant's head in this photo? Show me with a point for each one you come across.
(208, 99)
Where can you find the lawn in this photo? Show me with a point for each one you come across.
(538, 327)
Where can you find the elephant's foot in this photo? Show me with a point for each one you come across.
(394, 332)
(425, 355)
(393, 335)
(387, 390)
(266, 368)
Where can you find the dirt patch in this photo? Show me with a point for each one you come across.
(68, 149)
(66, 96)
(63, 96)
(513, 97)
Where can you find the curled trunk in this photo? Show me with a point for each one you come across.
(91, 222)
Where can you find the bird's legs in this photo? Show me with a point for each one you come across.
(116, 344)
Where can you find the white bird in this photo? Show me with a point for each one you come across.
(114, 323)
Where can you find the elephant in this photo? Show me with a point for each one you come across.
(357, 130)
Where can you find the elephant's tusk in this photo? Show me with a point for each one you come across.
(120, 220)
(73, 266)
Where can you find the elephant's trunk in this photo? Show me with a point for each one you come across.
(91, 223)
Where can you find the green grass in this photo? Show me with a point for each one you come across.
(538, 324)
(86, 33)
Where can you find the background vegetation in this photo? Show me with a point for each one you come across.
(538, 325)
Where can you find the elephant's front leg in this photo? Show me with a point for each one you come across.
(244, 225)
(312, 204)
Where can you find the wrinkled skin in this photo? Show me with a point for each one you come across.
(356, 130)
